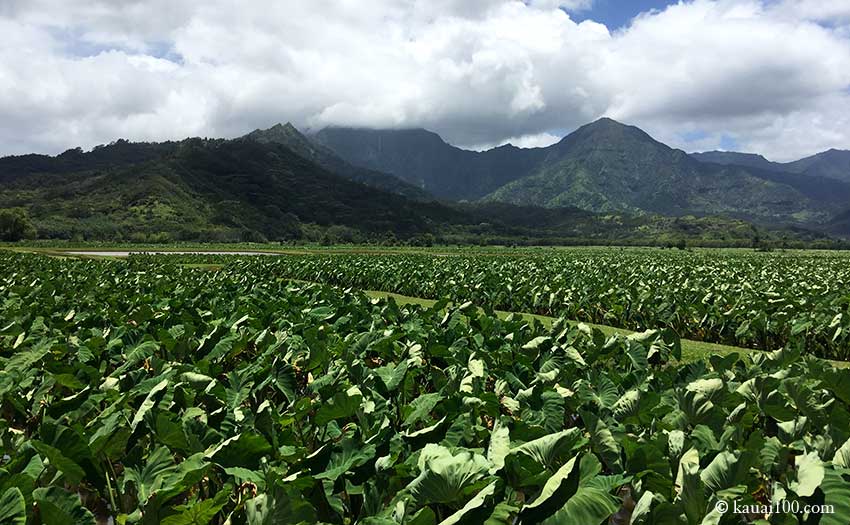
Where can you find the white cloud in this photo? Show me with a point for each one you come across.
(732, 68)
(535, 140)
(774, 75)
(569, 5)
(821, 10)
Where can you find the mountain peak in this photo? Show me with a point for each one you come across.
(609, 126)
(836, 151)
(281, 133)
(606, 123)
(606, 133)
(366, 137)
(606, 120)
(281, 127)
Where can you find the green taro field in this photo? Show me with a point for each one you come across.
(188, 390)
(746, 299)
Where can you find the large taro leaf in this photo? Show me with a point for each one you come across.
(602, 441)
(443, 476)
(148, 403)
(110, 435)
(532, 462)
(503, 514)
(350, 455)
(499, 447)
(137, 354)
(600, 392)
(66, 439)
(342, 405)
(792, 430)
(391, 375)
(652, 509)
(430, 434)
(72, 471)
(476, 509)
(538, 343)
(836, 489)
(703, 438)
(161, 479)
(726, 470)
(283, 506)
(244, 450)
(689, 487)
(763, 392)
(810, 474)
(838, 381)
(544, 408)
(149, 478)
(555, 493)
(842, 456)
(773, 455)
(199, 512)
(285, 380)
(695, 406)
(421, 407)
(589, 505)
(552, 410)
(23, 360)
(627, 405)
(592, 503)
(650, 461)
(60, 507)
(13, 510)
(637, 354)
(574, 494)
(709, 387)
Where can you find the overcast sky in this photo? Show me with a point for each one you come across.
(754, 75)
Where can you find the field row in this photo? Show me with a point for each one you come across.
(763, 301)
(155, 393)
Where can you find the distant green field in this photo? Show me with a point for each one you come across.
(731, 297)
(459, 249)
(691, 350)
(738, 298)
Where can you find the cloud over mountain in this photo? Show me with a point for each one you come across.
(769, 76)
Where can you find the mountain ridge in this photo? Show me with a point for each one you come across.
(603, 166)
(259, 187)
(832, 163)
(208, 189)
(424, 159)
(291, 137)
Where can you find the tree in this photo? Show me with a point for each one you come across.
(15, 225)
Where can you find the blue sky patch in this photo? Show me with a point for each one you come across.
(616, 14)
(728, 143)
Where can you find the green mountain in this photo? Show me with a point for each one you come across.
(201, 190)
(824, 177)
(568, 225)
(832, 164)
(608, 166)
(293, 139)
(117, 154)
(257, 188)
(422, 158)
(750, 160)
(604, 167)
